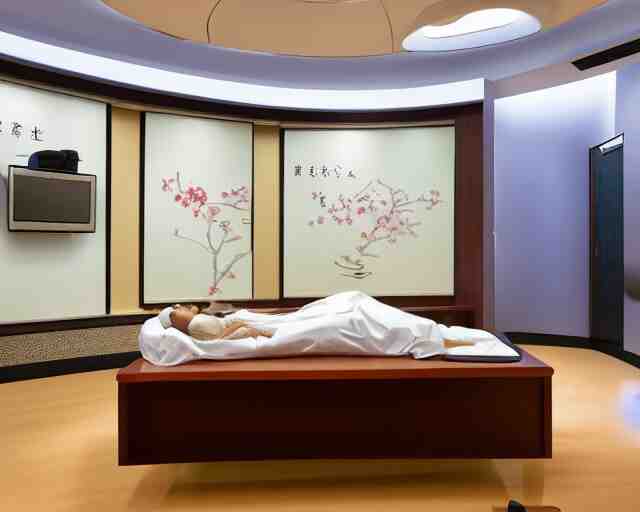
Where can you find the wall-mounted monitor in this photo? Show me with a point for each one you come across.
(51, 201)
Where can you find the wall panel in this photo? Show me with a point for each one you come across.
(628, 121)
(52, 275)
(125, 210)
(266, 229)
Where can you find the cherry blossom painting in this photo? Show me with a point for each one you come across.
(369, 209)
(219, 233)
(198, 209)
(383, 215)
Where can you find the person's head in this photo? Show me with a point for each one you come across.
(178, 316)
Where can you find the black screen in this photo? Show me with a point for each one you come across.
(37, 199)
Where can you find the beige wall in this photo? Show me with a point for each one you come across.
(125, 206)
(266, 229)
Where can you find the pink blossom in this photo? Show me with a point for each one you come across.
(213, 211)
(213, 290)
(166, 184)
(320, 220)
(360, 210)
(196, 213)
(178, 198)
(185, 202)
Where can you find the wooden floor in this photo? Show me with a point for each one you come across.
(59, 453)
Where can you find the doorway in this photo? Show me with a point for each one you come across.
(607, 242)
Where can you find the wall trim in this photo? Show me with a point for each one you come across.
(557, 340)
(66, 366)
(107, 228)
(73, 324)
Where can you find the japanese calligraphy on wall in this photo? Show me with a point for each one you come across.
(369, 209)
(198, 182)
(17, 129)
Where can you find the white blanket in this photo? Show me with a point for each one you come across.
(348, 323)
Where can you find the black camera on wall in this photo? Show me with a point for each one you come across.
(65, 160)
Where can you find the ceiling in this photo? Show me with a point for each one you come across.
(93, 28)
(322, 28)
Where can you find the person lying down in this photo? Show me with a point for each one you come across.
(346, 324)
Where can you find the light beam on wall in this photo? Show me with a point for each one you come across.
(479, 28)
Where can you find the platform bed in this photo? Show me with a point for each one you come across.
(333, 407)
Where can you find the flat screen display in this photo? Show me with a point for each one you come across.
(51, 201)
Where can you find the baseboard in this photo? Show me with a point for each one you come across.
(66, 366)
(72, 324)
(555, 340)
(631, 358)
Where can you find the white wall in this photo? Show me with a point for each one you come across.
(628, 121)
(52, 275)
(542, 204)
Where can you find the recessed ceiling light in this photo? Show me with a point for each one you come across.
(479, 28)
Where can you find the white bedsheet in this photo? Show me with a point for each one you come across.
(348, 323)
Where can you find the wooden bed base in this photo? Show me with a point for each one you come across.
(333, 407)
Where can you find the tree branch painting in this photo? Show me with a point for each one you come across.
(380, 213)
(219, 234)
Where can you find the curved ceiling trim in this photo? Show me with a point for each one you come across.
(147, 77)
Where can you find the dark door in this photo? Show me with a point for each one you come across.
(607, 242)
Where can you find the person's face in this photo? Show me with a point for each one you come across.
(180, 318)
(193, 308)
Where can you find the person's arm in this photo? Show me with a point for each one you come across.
(238, 329)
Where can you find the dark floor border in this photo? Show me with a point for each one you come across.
(72, 324)
(555, 340)
(66, 366)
